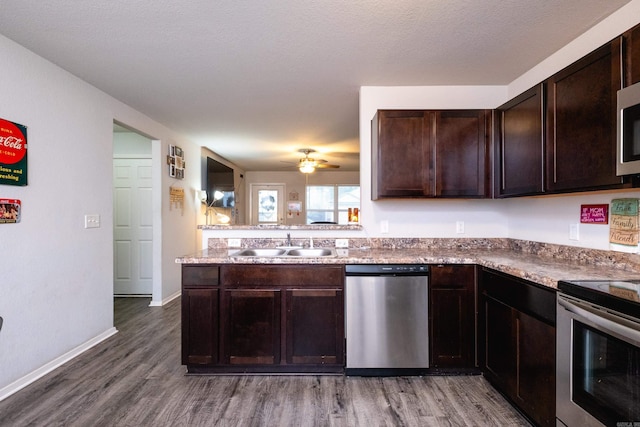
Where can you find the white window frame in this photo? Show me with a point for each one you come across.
(336, 211)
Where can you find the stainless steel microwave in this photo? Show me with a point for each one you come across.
(628, 131)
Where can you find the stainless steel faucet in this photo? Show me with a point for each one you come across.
(288, 239)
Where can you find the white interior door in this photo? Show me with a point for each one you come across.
(267, 204)
(132, 226)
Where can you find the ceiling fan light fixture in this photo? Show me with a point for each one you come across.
(307, 166)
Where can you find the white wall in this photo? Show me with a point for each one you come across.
(131, 143)
(56, 292)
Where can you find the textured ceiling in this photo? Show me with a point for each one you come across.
(257, 80)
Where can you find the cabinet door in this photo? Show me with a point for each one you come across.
(315, 326)
(519, 340)
(581, 120)
(462, 153)
(520, 147)
(251, 326)
(400, 154)
(536, 369)
(452, 316)
(500, 345)
(200, 326)
(631, 49)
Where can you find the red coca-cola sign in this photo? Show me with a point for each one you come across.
(13, 153)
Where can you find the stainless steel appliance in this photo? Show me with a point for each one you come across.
(628, 130)
(387, 319)
(598, 353)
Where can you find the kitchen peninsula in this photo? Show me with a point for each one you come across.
(278, 314)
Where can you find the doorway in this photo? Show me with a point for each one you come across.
(267, 204)
(132, 214)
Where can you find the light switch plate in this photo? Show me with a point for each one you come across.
(234, 243)
(460, 227)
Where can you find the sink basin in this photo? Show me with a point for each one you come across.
(280, 252)
(261, 252)
(311, 252)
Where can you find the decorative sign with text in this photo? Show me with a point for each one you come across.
(13, 153)
(625, 230)
(594, 214)
(9, 211)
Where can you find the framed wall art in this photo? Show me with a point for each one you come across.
(176, 163)
(13, 153)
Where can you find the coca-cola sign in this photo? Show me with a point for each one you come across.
(13, 153)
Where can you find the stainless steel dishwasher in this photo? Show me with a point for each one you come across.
(386, 317)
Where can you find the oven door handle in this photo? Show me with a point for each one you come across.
(622, 327)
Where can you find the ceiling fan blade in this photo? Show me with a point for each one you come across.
(327, 166)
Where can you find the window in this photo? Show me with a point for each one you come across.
(330, 203)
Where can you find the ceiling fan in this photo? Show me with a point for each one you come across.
(308, 164)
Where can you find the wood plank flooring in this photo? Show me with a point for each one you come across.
(135, 379)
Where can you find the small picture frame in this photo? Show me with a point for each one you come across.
(176, 163)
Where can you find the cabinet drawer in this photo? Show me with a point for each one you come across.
(200, 275)
(522, 295)
(282, 275)
(452, 276)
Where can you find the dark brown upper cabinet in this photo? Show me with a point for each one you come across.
(401, 154)
(519, 149)
(419, 154)
(631, 52)
(581, 120)
(461, 143)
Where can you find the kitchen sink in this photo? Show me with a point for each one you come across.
(311, 252)
(261, 252)
(298, 252)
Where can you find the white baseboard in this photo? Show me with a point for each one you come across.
(132, 295)
(44, 370)
(165, 301)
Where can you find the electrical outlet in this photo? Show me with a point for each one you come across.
(342, 243)
(234, 243)
(92, 221)
(460, 227)
(574, 232)
(384, 226)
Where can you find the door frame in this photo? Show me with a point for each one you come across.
(253, 202)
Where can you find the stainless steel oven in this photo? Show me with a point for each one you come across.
(598, 353)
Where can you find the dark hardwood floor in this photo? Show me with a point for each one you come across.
(135, 379)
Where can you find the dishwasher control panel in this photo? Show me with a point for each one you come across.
(387, 269)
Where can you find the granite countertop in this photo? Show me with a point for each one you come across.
(540, 269)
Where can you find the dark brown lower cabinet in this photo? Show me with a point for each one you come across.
(251, 324)
(263, 318)
(315, 326)
(200, 326)
(518, 343)
(452, 295)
